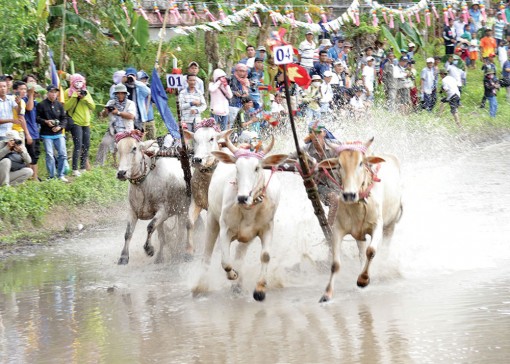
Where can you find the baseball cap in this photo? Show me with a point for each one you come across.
(492, 55)
(404, 58)
(259, 59)
(338, 61)
(430, 60)
(347, 44)
(130, 71)
(193, 63)
(51, 88)
(261, 48)
(370, 58)
(328, 74)
(316, 78)
(411, 44)
(309, 32)
(12, 134)
(142, 75)
(8, 76)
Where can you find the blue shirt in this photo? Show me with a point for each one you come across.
(319, 69)
(31, 119)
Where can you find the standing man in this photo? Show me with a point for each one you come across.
(389, 81)
(192, 104)
(249, 60)
(193, 69)
(322, 66)
(491, 87)
(449, 37)
(326, 94)
(506, 76)
(256, 77)
(427, 84)
(368, 76)
(150, 124)
(306, 51)
(449, 85)
(52, 118)
(335, 51)
(488, 45)
(8, 105)
(404, 85)
(31, 120)
(138, 93)
(240, 86)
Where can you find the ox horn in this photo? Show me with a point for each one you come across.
(269, 147)
(229, 144)
(369, 143)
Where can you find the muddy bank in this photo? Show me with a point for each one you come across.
(60, 222)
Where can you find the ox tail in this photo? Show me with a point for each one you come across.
(400, 212)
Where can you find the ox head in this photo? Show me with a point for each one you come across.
(205, 141)
(131, 156)
(354, 169)
(250, 178)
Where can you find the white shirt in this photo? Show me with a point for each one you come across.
(199, 85)
(357, 103)
(450, 86)
(456, 73)
(276, 108)
(459, 28)
(427, 76)
(306, 50)
(327, 93)
(6, 108)
(369, 77)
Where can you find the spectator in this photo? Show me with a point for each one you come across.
(410, 53)
(344, 56)
(428, 85)
(449, 85)
(14, 159)
(192, 104)
(476, 15)
(378, 55)
(31, 120)
(312, 97)
(502, 52)
(488, 44)
(322, 65)
(326, 94)
(474, 50)
(121, 114)
(51, 116)
(193, 69)
(138, 93)
(499, 28)
(488, 66)
(250, 116)
(220, 93)
(449, 37)
(256, 77)
(459, 25)
(506, 76)
(9, 79)
(249, 60)
(8, 106)
(404, 83)
(336, 50)
(261, 52)
(20, 91)
(491, 87)
(455, 69)
(240, 86)
(368, 75)
(306, 51)
(389, 81)
(278, 108)
(357, 103)
(79, 105)
(150, 125)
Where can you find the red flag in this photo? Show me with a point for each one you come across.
(298, 74)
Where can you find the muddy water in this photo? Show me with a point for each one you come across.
(439, 294)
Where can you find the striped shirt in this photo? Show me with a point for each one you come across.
(499, 27)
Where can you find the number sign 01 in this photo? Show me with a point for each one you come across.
(174, 81)
(283, 54)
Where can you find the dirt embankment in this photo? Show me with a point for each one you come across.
(60, 221)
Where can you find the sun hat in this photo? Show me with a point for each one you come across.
(261, 48)
(12, 134)
(120, 88)
(370, 58)
(489, 71)
(130, 71)
(411, 44)
(316, 78)
(326, 43)
(328, 74)
(430, 60)
(443, 71)
(309, 32)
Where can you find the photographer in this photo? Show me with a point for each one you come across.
(121, 113)
(14, 159)
(52, 118)
(138, 92)
(79, 106)
(491, 87)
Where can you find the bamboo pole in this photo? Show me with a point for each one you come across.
(162, 35)
(184, 152)
(310, 186)
(62, 43)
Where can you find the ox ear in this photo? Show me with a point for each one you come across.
(188, 135)
(274, 160)
(374, 159)
(224, 157)
(328, 163)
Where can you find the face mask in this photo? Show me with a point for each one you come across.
(316, 84)
(490, 76)
(78, 85)
(455, 62)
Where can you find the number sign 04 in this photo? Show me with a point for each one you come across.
(174, 81)
(283, 54)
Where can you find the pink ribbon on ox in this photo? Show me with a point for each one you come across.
(135, 134)
(354, 146)
(208, 123)
(246, 153)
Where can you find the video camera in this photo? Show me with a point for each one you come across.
(83, 93)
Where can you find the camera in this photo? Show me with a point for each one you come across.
(18, 142)
(110, 108)
(56, 122)
(83, 93)
(130, 79)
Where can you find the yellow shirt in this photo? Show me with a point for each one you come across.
(15, 116)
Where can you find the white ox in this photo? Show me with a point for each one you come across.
(206, 140)
(369, 204)
(243, 199)
(157, 191)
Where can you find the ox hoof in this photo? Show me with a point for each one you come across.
(324, 298)
(232, 275)
(123, 261)
(259, 295)
(363, 280)
(149, 250)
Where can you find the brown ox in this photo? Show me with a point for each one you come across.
(369, 204)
